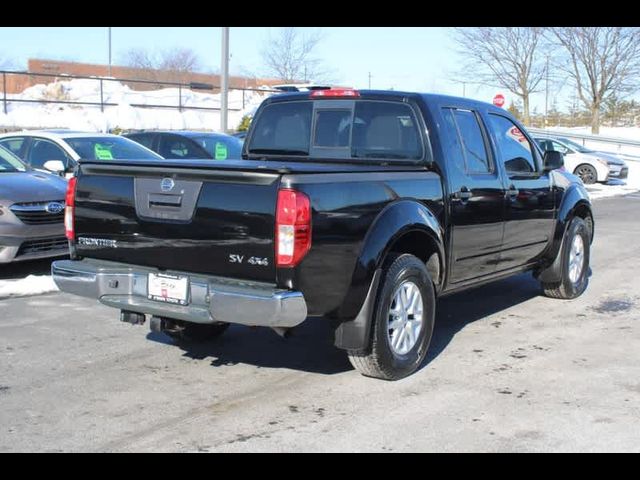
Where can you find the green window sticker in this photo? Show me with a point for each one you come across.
(221, 151)
(102, 152)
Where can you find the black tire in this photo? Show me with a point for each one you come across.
(566, 288)
(587, 173)
(188, 332)
(380, 360)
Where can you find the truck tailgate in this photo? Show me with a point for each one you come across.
(202, 220)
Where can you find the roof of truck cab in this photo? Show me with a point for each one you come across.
(427, 97)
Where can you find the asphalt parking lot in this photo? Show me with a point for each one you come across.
(508, 370)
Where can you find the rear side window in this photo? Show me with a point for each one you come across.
(385, 130)
(473, 145)
(359, 129)
(455, 152)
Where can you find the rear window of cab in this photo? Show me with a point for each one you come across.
(340, 129)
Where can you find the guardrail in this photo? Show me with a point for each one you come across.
(595, 139)
(180, 86)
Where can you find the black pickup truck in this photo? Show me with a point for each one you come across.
(360, 207)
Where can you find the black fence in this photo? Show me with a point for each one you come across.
(159, 84)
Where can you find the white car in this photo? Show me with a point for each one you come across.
(58, 151)
(590, 165)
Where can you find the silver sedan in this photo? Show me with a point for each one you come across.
(31, 211)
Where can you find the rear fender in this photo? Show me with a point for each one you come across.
(393, 223)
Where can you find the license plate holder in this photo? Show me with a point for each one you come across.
(162, 287)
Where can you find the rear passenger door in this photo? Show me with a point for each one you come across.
(529, 199)
(476, 199)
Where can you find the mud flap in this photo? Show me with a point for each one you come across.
(354, 334)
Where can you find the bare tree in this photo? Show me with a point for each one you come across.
(175, 64)
(139, 58)
(602, 61)
(180, 62)
(143, 60)
(507, 57)
(290, 56)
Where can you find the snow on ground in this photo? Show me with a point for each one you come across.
(124, 115)
(31, 285)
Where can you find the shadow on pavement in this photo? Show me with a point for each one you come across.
(14, 271)
(310, 347)
(454, 312)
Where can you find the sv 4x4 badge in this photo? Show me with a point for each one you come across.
(263, 262)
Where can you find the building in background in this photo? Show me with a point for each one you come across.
(18, 83)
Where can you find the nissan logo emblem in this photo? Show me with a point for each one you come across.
(167, 184)
(54, 207)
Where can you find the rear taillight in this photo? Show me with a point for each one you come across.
(335, 92)
(69, 209)
(293, 227)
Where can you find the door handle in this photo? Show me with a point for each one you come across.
(464, 194)
(513, 191)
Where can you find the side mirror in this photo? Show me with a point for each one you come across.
(55, 166)
(553, 160)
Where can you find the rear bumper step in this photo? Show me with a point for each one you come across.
(212, 299)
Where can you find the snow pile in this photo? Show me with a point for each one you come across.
(31, 285)
(617, 187)
(129, 112)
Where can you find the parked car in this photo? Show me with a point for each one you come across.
(618, 168)
(359, 207)
(31, 212)
(189, 144)
(590, 165)
(58, 151)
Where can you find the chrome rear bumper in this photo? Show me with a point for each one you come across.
(212, 299)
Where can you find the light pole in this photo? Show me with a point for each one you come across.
(109, 51)
(224, 80)
(369, 80)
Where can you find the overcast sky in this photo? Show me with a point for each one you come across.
(414, 59)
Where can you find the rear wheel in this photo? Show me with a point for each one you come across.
(587, 173)
(575, 252)
(402, 322)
